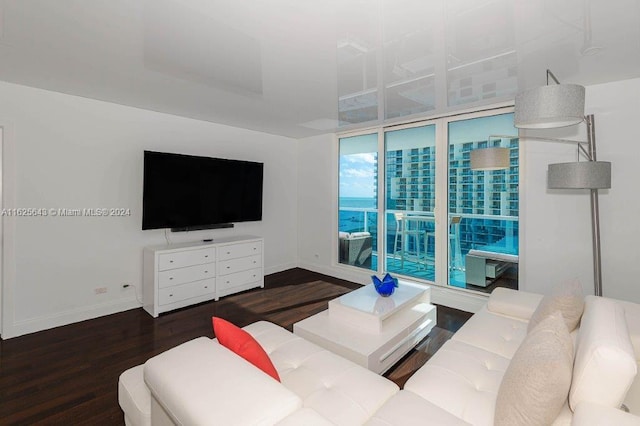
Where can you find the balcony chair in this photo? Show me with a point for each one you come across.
(355, 249)
(454, 250)
(401, 239)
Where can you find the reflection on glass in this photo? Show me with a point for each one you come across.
(357, 61)
(397, 58)
(483, 206)
(357, 212)
(384, 305)
(410, 167)
(410, 60)
(481, 51)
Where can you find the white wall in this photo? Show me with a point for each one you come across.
(317, 204)
(555, 224)
(556, 242)
(65, 151)
(317, 194)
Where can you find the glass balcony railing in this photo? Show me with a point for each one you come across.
(476, 230)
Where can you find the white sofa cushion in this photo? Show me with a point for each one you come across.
(565, 416)
(588, 414)
(536, 383)
(605, 364)
(134, 397)
(190, 381)
(408, 409)
(568, 298)
(632, 315)
(339, 390)
(461, 379)
(513, 303)
(494, 333)
(305, 416)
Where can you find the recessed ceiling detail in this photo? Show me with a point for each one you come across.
(188, 45)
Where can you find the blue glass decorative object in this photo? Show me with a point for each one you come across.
(387, 286)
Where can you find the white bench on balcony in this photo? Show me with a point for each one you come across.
(484, 266)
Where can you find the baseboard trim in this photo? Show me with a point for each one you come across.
(32, 325)
(280, 268)
(356, 275)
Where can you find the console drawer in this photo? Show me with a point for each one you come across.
(233, 251)
(182, 259)
(183, 274)
(186, 291)
(239, 279)
(178, 276)
(242, 264)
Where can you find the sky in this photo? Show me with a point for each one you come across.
(357, 175)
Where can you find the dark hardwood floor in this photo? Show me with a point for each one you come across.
(69, 375)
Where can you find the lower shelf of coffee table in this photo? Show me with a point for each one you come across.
(375, 351)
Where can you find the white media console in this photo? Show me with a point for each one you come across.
(179, 275)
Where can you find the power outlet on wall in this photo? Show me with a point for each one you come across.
(100, 290)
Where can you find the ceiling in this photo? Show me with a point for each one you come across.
(303, 67)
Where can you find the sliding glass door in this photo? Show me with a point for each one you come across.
(482, 205)
(444, 221)
(410, 183)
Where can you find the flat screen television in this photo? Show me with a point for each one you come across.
(186, 192)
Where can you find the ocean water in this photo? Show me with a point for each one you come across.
(358, 202)
(353, 220)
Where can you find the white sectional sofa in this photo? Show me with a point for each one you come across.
(200, 382)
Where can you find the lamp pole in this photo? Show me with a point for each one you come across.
(590, 154)
(595, 210)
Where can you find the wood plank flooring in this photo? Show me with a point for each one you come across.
(69, 375)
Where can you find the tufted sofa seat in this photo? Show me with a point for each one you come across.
(201, 382)
(459, 384)
(339, 390)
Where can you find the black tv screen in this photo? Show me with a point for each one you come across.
(186, 192)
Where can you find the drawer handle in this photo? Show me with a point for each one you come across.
(170, 278)
(228, 252)
(255, 248)
(206, 255)
(206, 286)
(254, 275)
(171, 261)
(206, 272)
(228, 282)
(171, 295)
(228, 267)
(254, 262)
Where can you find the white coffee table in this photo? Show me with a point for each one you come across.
(371, 330)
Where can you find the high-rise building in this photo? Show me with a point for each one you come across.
(487, 200)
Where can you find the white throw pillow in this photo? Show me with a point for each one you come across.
(605, 364)
(567, 298)
(536, 384)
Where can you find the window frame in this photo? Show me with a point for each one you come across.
(441, 214)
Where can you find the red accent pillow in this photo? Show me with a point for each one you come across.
(244, 345)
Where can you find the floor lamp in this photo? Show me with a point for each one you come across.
(560, 105)
(554, 106)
